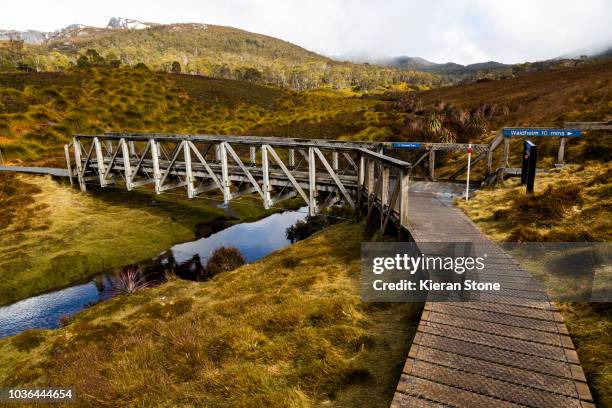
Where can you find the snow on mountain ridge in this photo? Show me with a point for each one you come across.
(126, 23)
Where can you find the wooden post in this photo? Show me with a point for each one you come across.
(360, 182)
(371, 168)
(335, 161)
(291, 158)
(312, 183)
(225, 181)
(155, 159)
(68, 164)
(126, 164)
(265, 168)
(561, 152)
(506, 152)
(384, 195)
(100, 161)
(188, 170)
(218, 153)
(132, 148)
(78, 163)
(253, 151)
(405, 178)
(432, 164)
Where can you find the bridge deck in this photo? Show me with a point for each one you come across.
(507, 350)
(52, 171)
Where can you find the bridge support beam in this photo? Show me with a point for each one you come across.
(127, 167)
(291, 158)
(225, 181)
(78, 163)
(312, 183)
(189, 179)
(100, 161)
(154, 147)
(68, 163)
(265, 168)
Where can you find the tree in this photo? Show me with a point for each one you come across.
(176, 67)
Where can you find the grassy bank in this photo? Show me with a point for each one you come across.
(289, 330)
(52, 235)
(569, 205)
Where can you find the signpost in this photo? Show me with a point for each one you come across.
(406, 145)
(541, 132)
(528, 171)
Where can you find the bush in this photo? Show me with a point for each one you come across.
(224, 259)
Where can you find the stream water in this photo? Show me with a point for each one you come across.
(254, 240)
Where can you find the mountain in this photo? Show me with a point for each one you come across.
(421, 64)
(202, 49)
(28, 36)
(40, 37)
(127, 23)
(601, 51)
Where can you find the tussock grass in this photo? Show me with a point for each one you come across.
(570, 204)
(289, 330)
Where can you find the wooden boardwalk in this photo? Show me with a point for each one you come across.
(508, 349)
(51, 171)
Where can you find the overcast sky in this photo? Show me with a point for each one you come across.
(464, 31)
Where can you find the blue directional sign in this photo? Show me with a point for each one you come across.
(406, 145)
(545, 132)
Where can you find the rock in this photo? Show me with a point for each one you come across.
(126, 23)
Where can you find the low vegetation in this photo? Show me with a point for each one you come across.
(289, 330)
(224, 259)
(571, 204)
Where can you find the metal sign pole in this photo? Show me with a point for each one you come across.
(467, 180)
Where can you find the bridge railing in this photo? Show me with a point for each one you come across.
(321, 172)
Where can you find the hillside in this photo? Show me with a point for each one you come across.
(222, 52)
(540, 98)
(39, 111)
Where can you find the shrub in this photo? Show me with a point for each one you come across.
(224, 259)
(129, 281)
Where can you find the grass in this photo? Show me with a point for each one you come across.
(53, 235)
(569, 205)
(289, 330)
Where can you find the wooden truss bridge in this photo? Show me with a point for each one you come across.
(320, 172)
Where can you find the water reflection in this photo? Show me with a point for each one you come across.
(254, 240)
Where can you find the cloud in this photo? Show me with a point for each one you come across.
(464, 31)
